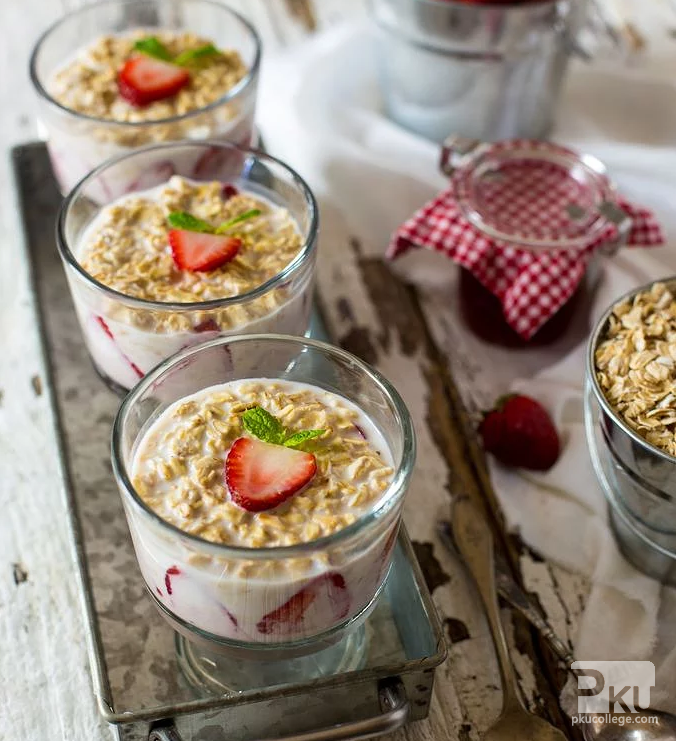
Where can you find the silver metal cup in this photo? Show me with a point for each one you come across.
(642, 476)
(646, 547)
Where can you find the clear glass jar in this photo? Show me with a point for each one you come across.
(128, 336)
(482, 313)
(78, 143)
(523, 197)
(221, 594)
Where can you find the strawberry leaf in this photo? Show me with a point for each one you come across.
(263, 425)
(238, 220)
(151, 46)
(193, 57)
(298, 438)
(184, 220)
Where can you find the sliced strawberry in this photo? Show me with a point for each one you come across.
(181, 588)
(108, 332)
(231, 617)
(208, 325)
(261, 476)
(229, 191)
(171, 571)
(143, 80)
(289, 616)
(104, 326)
(200, 252)
(337, 593)
(218, 163)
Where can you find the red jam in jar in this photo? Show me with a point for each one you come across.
(535, 197)
(482, 313)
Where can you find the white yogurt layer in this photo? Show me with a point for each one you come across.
(240, 596)
(124, 353)
(75, 151)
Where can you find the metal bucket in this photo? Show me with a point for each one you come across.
(654, 470)
(638, 479)
(483, 71)
(648, 548)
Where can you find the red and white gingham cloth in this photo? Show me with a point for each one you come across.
(531, 284)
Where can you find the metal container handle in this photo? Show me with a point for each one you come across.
(456, 152)
(394, 706)
(622, 222)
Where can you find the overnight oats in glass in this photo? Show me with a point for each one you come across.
(184, 259)
(118, 75)
(263, 479)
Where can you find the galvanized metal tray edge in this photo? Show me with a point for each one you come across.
(102, 691)
(94, 645)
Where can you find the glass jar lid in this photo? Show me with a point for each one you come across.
(533, 194)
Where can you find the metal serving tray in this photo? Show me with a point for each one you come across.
(137, 683)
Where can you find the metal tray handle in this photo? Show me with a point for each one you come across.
(394, 706)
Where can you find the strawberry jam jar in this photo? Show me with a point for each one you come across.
(263, 479)
(529, 202)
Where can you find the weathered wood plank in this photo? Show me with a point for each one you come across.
(371, 313)
(561, 594)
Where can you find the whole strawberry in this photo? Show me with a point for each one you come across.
(520, 433)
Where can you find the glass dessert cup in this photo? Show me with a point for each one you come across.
(220, 597)
(78, 143)
(127, 336)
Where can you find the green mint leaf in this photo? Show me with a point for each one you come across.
(263, 425)
(151, 46)
(298, 438)
(184, 220)
(226, 225)
(196, 56)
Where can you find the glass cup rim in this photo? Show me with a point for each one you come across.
(304, 253)
(461, 5)
(231, 94)
(396, 489)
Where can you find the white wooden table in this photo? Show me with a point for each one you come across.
(45, 689)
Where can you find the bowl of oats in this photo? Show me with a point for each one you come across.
(188, 255)
(122, 74)
(632, 375)
(263, 478)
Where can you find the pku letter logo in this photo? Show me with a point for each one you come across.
(613, 686)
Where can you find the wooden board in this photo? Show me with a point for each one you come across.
(44, 685)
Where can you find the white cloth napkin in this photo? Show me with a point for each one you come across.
(320, 111)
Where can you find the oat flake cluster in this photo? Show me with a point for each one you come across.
(636, 364)
(129, 252)
(89, 83)
(184, 480)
